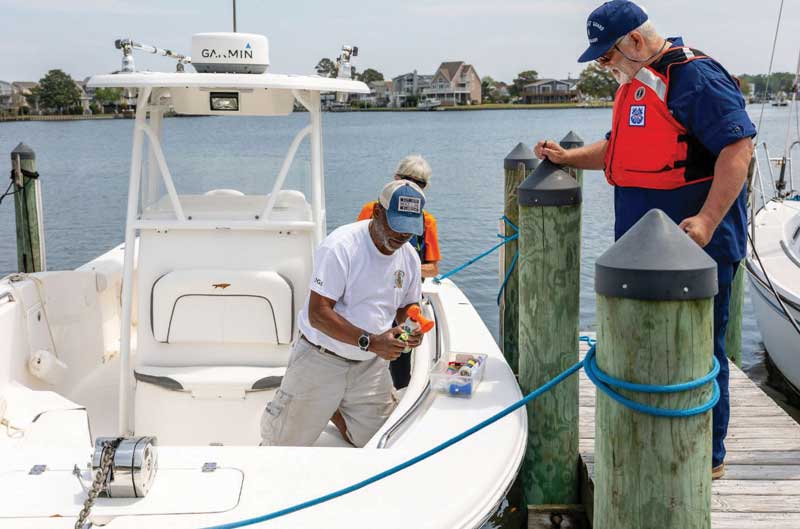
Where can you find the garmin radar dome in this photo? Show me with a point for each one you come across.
(230, 53)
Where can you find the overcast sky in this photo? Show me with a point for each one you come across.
(499, 37)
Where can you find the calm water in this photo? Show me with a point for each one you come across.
(84, 167)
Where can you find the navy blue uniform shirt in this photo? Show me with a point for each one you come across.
(706, 100)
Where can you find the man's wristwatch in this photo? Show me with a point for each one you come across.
(363, 341)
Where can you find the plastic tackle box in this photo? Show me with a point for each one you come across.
(459, 374)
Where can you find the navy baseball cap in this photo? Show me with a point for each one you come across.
(608, 23)
(403, 202)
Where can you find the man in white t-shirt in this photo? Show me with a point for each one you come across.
(365, 278)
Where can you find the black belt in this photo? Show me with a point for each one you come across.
(327, 351)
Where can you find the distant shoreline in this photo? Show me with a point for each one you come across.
(471, 108)
(485, 106)
(65, 117)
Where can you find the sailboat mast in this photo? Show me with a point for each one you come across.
(234, 16)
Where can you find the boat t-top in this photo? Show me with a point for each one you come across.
(131, 388)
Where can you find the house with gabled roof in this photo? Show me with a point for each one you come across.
(406, 86)
(22, 90)
(455, 83)
(551, 91)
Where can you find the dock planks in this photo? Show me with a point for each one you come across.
(761, 486)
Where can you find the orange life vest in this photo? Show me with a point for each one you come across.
(649, 148)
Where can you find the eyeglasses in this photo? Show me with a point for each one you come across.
(606, 58)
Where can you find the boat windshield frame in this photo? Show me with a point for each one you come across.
(148, 126)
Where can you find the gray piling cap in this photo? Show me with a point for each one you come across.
(655, 260)
(24, 152)
(549, 185)
(521, 154)
(571, 140)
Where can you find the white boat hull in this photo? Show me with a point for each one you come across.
(777, 242)
(459, 488)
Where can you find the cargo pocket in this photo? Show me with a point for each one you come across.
(273, 420)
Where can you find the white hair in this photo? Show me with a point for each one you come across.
(415, 167)
(648, 30)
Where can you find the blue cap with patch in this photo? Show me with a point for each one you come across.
(608, 23)
(403, 202)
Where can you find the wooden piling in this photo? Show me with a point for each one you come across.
(519, 162)
(28, 210)
(655, 291)
(549, 267)
(573, 141)
(733, 334)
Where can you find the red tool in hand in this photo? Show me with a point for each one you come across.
(415, 321)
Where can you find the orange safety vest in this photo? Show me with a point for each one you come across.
(649, 148)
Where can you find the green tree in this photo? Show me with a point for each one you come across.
(492, 91)
(369, 75)
(597, 82)
(518, 86)
(778, 82)
(488, 88)
(58, 92)
(108, 96)
(327, 68)
(411, 101)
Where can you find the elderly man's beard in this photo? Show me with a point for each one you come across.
(620, 76)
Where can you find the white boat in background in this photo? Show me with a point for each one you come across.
(773, 266)
(175, 341)
(773, 261)
(429, 104)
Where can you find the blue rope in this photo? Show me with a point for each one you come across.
(594, 373)
(508, 274)
(506, 240)
(605, 383)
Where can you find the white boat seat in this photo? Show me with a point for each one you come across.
(222, 307)
(201, 405)
(212, 381)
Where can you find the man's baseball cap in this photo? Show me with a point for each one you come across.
(403, 202)
(608, 23)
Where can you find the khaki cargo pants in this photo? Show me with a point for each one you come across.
(318, 383)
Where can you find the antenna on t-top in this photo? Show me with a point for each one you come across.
(234, 16)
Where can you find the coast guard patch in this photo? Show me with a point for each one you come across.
(636, 117)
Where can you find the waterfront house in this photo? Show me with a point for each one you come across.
(551, 91)
(6, 96)
(408, 85)
(22, 90)
(455, 83)
(85, 99)
(496, 92)
(378, 96)
(381, 91)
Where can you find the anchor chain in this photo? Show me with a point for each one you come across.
(100, 479)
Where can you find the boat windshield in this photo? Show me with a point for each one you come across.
(209, 155)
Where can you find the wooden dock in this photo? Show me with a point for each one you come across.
(761, 486)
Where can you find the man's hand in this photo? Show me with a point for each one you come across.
(552, 151)
(387, 345)
(700, 228)
(414, 339)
